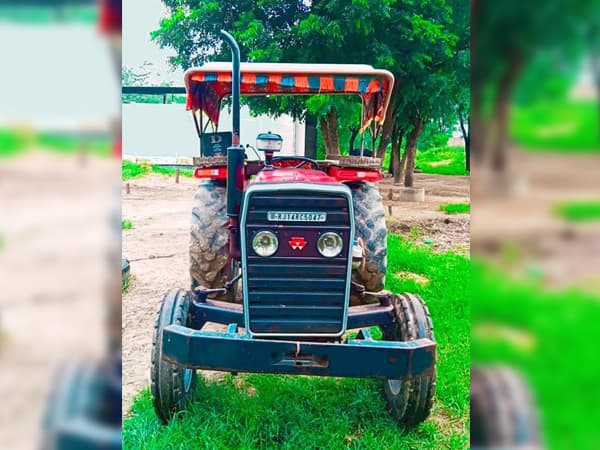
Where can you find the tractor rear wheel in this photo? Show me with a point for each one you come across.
(410, 400)
(369, 224)
(172, 386)
(503, 413)
(210, 265)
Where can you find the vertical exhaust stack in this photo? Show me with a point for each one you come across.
(235, 153)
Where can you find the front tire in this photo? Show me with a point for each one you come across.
(410, 400)
(172, 385)
(369, 224)
(503, 413)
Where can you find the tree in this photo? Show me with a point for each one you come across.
(507, 36)
(416, 40)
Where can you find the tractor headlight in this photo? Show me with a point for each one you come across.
(265, 243)
(330, 244)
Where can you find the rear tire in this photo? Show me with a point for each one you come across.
(502, 410)
(172, 385)
(411, 400)
(210, 265)
(369, 224)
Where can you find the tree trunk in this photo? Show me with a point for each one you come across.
(397, 161)
(388, 123)
(501, 113)
(353, 133)
(329, 129)
(466, 136)
(310, 137)
(411, 151)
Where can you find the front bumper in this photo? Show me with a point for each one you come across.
(232, 351)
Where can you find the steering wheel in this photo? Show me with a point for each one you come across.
(303, 161)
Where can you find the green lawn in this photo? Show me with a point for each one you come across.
(441, 160)
(581, 211)
(133, 170)
(266, 411)
(14, 142)
(456, 208)
(564, 125)
(551, 338)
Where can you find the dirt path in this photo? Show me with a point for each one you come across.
(157, 247)
(55, 228)
(522, 224)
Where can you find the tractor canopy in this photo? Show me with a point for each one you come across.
(207, 85)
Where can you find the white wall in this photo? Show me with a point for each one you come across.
(157, 130)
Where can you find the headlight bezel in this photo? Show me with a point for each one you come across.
(258, 248)
(339, 247)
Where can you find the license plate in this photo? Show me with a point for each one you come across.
(296, 216)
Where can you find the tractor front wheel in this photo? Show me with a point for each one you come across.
(503, 413)
(410, 400)
(172, 386)
(369, 223)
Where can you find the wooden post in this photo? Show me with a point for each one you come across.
(127, 189)
(177, 176)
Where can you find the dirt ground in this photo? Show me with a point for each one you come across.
(157, 248)
(513, 220)
(55, 231)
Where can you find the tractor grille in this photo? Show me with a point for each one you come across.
(297, 292)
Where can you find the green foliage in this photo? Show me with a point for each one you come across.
(267, 411)
(560, 362)
(582, 211)
(43, 14)
(11, 143)
(131, 170)
(434, 135)
(456, 208)
(126, 225)
(171, 171)
(425, 45)
(561, 125)
(442, 161)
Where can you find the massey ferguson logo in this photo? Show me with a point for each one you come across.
(296, 216)
(297, 243)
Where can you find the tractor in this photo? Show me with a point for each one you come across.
(289, 253)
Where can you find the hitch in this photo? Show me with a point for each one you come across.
(201, 293)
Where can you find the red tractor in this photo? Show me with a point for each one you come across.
(289, 253)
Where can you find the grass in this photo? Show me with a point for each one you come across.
(560, 361)
(15, 142)
(456, 208)
(581, 211)
(267, 411)
(126, 225)
(132, 170)
(563, 126)
(441, 160)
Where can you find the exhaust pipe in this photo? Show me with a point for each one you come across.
(235, 153)
(235, 85)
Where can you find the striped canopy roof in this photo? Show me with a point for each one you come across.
(208, 85)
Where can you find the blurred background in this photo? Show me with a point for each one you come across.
(535, 228)
(59, 230)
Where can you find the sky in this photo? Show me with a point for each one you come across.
(62, 75)
(140, 17)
